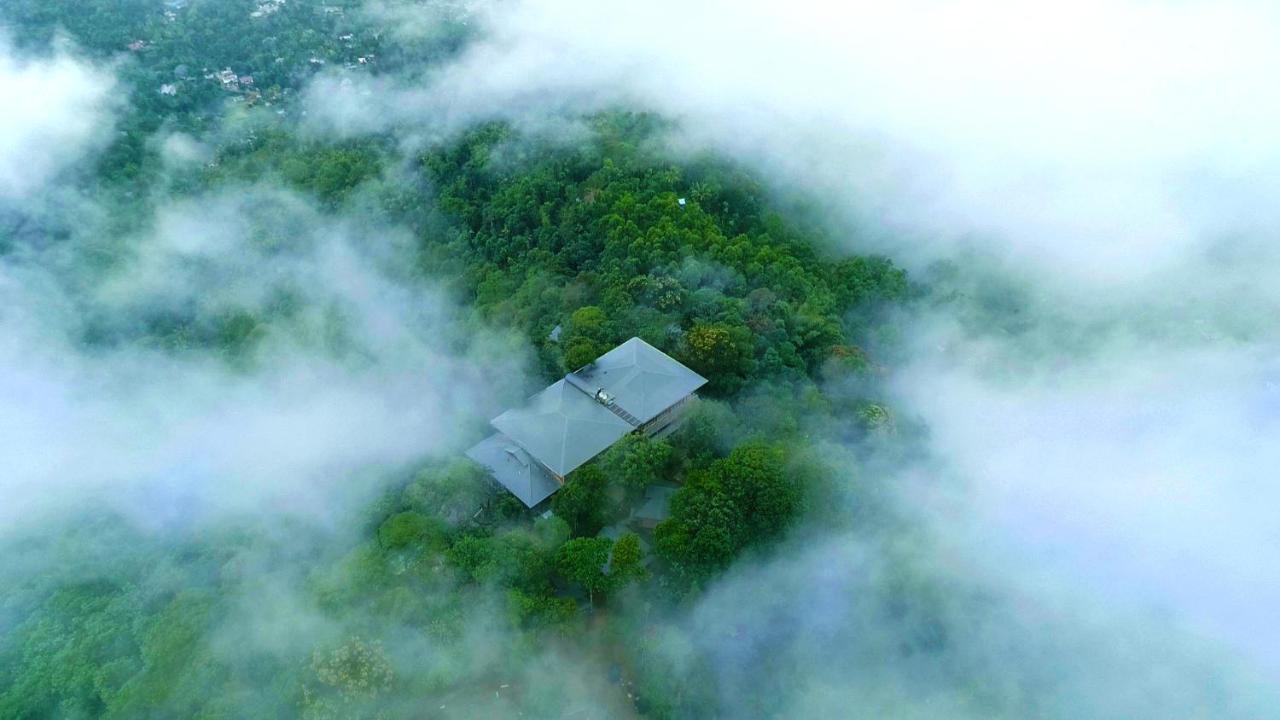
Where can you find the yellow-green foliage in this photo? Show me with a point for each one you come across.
(347, 681)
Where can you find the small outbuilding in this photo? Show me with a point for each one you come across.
(655, 507)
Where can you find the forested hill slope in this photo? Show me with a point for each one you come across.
(690, 257)
(439, 595)
(268, 268)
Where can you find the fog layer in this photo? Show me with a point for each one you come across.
(1102, 371)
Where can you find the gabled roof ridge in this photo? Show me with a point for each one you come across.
(564, 445)
(643, 381)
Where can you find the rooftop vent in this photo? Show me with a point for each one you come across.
(601, 397)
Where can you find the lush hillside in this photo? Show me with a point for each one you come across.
(606, 237)
(287, 266)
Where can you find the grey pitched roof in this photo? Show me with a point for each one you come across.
(642, 379)
(657, 503)
(513, 467)
(565, 425)
(562, 427)
(614, 532)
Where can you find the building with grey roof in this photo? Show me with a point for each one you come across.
(563, 427)
(656, 506)
(634, 387)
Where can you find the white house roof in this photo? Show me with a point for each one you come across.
(562, 427)
(642, 379)
(571, 422)
(514, 469)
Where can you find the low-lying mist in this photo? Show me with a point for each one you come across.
(244, 354)
(1088, 187)
(55, 109)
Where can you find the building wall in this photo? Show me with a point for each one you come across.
(669, 419)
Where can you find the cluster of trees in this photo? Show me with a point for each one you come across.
(747, 498)
(609, 240)
(122, 627)
(326, 171)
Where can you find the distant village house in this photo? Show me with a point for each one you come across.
(228, 79)
(267, 8)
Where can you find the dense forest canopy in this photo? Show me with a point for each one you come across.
(216, 231)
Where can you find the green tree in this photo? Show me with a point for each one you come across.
(580, 352)
(721, 352)
(637, 461)
(410, 528)
(586, 338)
(626, 561)
(704, 533)
(512, 559)
(755, 481)
(177, 662)
(582, 561)
(451, 491)
(347, 681)
(743, 499)
(708, 428)
(73, 654)
(589, 322)
(540, 611)
(582, 502)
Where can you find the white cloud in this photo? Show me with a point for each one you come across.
(1076, 136)
(55, 109)
(359, 374)
(1138, 472)
(1119, 159)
